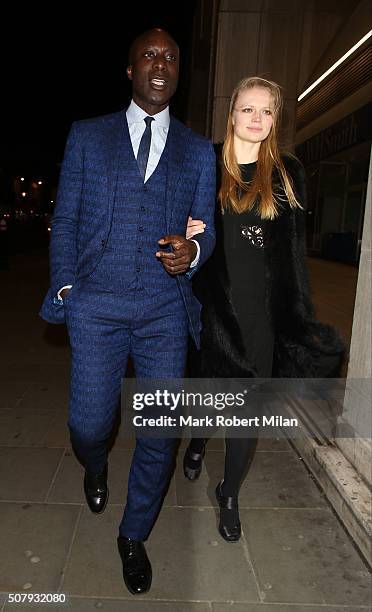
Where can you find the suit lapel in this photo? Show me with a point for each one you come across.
(178, 138)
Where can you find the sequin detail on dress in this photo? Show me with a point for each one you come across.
(254, 234)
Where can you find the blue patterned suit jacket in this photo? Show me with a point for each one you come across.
(85, 201)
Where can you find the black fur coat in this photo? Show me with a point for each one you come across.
(303, 346)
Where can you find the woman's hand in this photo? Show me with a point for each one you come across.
(194, 226)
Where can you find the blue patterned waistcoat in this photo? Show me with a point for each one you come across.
(138, 222)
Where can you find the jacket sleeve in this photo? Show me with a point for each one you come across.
(63, 241)
(203, 206)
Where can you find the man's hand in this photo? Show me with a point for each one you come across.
(183, 253)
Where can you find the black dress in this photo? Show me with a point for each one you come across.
(244, 252)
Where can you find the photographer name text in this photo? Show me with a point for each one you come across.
(217, 420)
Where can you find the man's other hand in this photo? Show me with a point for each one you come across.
(179, 259)
(64, 292)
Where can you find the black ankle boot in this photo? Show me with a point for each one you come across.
(229, 526)
(192, 463)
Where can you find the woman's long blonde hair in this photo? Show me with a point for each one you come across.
(234, 192)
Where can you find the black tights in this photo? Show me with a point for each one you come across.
(238, 458)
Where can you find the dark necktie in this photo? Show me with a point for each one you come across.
(144, 147)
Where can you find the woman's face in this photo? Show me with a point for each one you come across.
(252, 116)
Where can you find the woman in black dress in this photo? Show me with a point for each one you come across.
(257, 313)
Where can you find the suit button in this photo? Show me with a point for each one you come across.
(139, 250)
(143, 209)
(103, 242)
(138, 269)
(140, 229)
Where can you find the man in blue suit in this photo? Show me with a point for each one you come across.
(129, 181)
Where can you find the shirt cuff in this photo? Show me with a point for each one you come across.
(61, 289)
(197, 256)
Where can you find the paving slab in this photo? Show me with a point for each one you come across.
(187, 556)
(305, 556)
(12, 393)
(34, 372)
(264, 444)
(195, 559)
(35, 344)
(275, 479)
(58, 434)
(279, 480)
(124, 440)
(14, 349)
(24, 349)
(68, 485)
(34, 543)
(200, 492)
(214, 443)
(273, 444)
(20, 428)
(288, 607)
(26, 473)
(106, 605)
(75, 604)
(46, 396)
(94, 567)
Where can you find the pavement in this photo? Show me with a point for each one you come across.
(294, 555)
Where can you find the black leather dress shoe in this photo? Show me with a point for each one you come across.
(137, 572)
(192, 463)
(96, 491)
(229, 513)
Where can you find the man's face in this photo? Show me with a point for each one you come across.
(154, 71)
